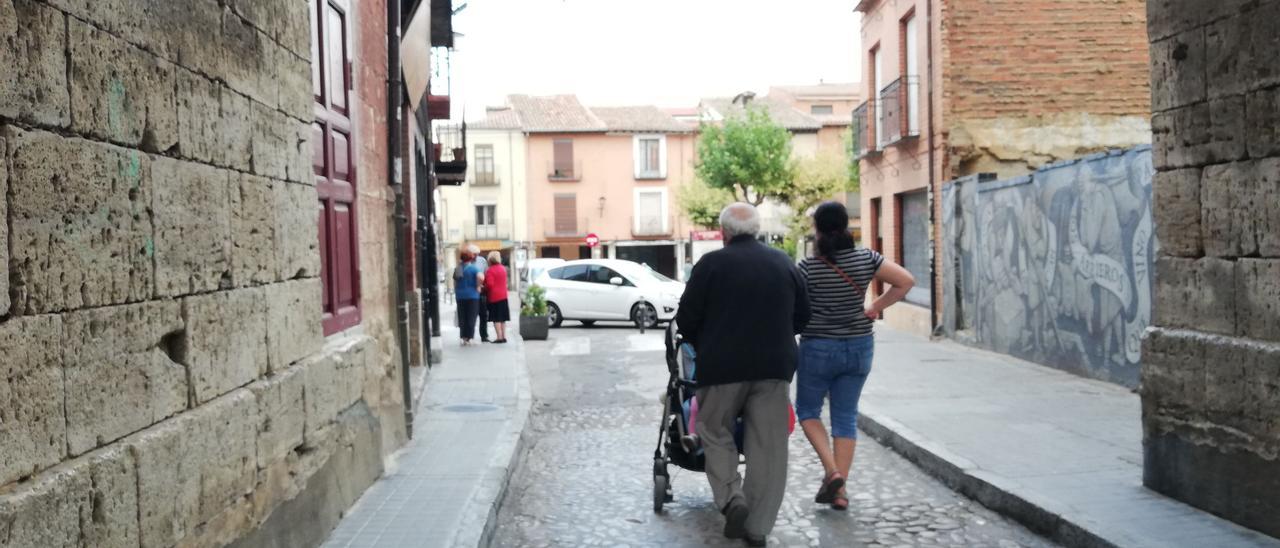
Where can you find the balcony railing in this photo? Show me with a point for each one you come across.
(501, 230)
(899, 107)
(650, 226)
(485, 178)
(563, 173)
(864, 141)
(449, 145)
(565, 227)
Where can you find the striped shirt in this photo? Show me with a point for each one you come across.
(838, 307)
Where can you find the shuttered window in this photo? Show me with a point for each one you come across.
(332, 162)
(563, 163)
(566, 214)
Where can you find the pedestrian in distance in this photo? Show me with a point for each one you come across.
(741, 310)
(495, 291)
(837, 345)
(688, 269)
(468, 296)
(483, 266)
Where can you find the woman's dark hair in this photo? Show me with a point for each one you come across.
(831, 223)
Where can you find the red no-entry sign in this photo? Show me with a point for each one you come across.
(592, 240)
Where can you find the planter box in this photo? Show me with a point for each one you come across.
(534, 328)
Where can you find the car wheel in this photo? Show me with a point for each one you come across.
(651, 315)
(553, 315)
(588, 323)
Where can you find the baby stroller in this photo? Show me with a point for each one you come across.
(675, 419)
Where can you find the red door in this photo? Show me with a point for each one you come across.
(333, 163)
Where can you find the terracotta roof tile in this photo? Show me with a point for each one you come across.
(498, 118)
(782, 113)
(554, 114)
(639, 119)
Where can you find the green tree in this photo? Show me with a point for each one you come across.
(702, 204)
(817, 180)
(749, 156)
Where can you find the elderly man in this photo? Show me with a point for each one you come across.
(741, 310)
(483, 266)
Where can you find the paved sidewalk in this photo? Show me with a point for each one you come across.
(1060, 453)
(443, 488)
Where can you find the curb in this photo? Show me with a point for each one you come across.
(480, 519)
(993, 491)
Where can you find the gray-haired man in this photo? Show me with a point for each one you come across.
(741, 310)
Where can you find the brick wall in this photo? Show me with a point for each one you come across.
(159, 276)
(1211, 366)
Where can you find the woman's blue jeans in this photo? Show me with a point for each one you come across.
(838, 367)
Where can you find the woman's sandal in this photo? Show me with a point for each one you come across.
(831, 486)
(840, 502)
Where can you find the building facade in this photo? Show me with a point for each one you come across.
(198, 269)
(490, 208)
(962, 87)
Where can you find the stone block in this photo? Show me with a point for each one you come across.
(281, 414)
(1177, 70)
(191, 468)
(91, 501)
(199, 123)
(1195, 294)
(274, 142)
(1241, 51)
(33, 85)
(1168, 17)
(253, 231)
(294, 30)
(293, 321)
(225, 340)
(298, 240)
(1200, 134)
(1239, 209)
(80, 229)
(123, 371)
(335, 380)
(293, 75)
(1263, 129)
(4, 226)
(235, 130)
(1258, 299)
(1177, 212)
(245, 60)
(1173, 370)
(130, 19)
(121, 93)
(193, 228)
(33, 431)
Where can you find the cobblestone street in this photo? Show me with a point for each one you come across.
(586, 475)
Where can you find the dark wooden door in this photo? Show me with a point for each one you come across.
(333, 162)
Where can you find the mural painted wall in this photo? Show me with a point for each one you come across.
(1055, 267)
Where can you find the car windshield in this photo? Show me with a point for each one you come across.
(654, 274)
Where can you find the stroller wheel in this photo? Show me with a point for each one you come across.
(660, 485)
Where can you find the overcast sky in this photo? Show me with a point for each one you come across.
(663, 52)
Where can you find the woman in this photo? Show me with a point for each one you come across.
(495, 290)
(837, 345)
(468, 296)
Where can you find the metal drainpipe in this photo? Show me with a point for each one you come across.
(933, 250)
(402, 221)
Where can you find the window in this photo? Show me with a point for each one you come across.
(549, 252)
(566, 214)
(562, 164)
(650, 156)
(651, 212)
(874, 240)
(572, 273)
(877, 80)
(484, 165)
(332, 166)
(486, 222)
(910, 72)
(602, 275)
(820, 109)
(914, 244)
(584, 252)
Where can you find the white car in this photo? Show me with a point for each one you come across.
(533, 270)
(593, 290)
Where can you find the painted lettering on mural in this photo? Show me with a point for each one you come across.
(1055, 267)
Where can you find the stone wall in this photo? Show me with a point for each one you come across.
(164, 379)
(1054, 267)
(1211, 366)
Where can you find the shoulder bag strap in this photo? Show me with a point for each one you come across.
(846, 277)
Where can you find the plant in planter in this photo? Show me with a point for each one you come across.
(533, 315)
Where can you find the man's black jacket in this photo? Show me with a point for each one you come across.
(741, 311)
